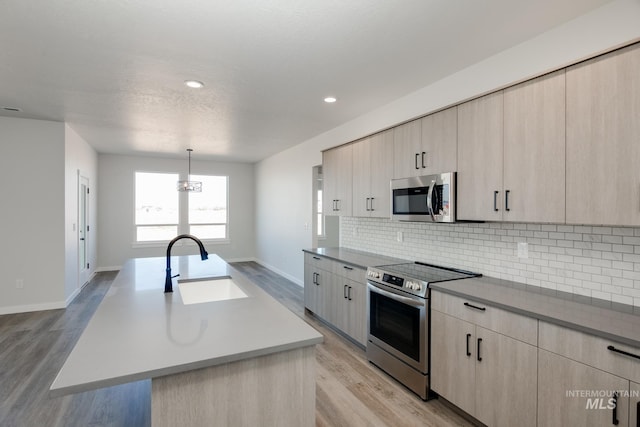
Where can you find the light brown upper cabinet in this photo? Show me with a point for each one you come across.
(603, 139)
(511, 153)
(534, 150)
(407, 149)
(480, 151)
(338, 175)
(426, 146)
(372, 171)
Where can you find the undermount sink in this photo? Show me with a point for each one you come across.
(196, 291)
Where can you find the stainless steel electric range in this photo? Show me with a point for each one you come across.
(398, 319)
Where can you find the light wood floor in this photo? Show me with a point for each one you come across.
(33, 346)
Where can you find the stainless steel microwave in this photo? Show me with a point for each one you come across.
(429, 198)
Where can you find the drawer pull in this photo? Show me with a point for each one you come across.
(475, 306)
(347, 267)
(615, 421)
(626, 353)
(479, 357)
(468, 352)
(315, 257)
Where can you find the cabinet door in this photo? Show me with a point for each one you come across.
(634, 404)
(564, 388)
(382, 146)
(534, 150)
(440, 142)
(310, 288)
(453, 360)
(480, 158)
(337, 169)
(357, 311)
(361, 177)
(407, 149)
(506, 380)
(603, 134)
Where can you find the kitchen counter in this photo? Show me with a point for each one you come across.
(617, 322)
(139, 332)
(356, 258)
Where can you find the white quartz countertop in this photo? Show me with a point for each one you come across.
(139, 332)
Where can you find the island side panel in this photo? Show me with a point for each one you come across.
(273, 390)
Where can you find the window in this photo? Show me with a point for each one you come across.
(157, 210)
(319, 215)
(208, 215)
(161, 212)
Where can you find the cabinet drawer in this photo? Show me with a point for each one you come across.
(318, 261)
(350, 272)
(514, 325)
(590, 350)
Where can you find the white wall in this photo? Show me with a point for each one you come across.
(81, 158)
(116, 207)
(32, 180)
(593, 261)
(280, 232)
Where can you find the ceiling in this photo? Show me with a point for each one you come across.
(114, 70)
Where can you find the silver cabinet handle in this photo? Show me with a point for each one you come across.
(416, 160)
(423, 154)
(368, 209)
(495, 201)
(372, 204)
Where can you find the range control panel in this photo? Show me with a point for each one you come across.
(409, 285)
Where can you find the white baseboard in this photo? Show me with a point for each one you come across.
(240, 260)
(115, 268)
(32, 307)
(73, 295)
(280, 272)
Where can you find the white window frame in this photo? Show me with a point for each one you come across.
(183, 226)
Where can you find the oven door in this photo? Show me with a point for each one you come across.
(398, 324)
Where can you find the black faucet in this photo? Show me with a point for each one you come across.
(168, 287)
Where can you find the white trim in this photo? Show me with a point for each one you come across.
(280, 272)
(103, 269)
(241, 260)
(32, 307)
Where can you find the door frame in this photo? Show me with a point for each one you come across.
(83, 230)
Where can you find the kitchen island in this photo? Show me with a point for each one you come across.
(241, 361)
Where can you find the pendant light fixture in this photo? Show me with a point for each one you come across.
(188, 185)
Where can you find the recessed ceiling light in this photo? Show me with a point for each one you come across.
(330, 100)
(12, 109)
(195, 84)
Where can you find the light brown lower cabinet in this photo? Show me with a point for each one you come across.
(489, 375)
(634, 404)
(572, 394)
(337, 294)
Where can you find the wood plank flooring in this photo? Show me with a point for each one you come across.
(33, 346)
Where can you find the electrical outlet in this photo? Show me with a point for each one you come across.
(19, 283)
(399, 236)
(523, 250)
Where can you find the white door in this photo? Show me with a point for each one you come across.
(83, 230)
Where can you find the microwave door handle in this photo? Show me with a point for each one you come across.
(430, 201)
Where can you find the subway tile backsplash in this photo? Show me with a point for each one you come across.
(600, 262)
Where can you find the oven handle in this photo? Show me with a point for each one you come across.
(396, 297)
